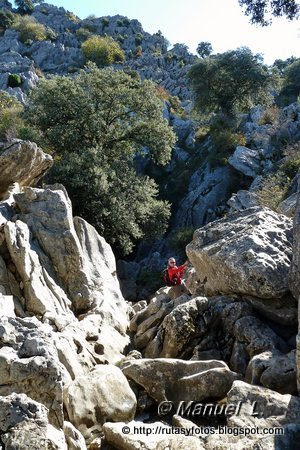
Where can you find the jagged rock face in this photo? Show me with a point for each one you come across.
(176, 380)
(294, 277)
(22, 162)
(29, 364)
(249, 253)
(208, 190)
(24, 424)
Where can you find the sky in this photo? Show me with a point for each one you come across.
(220, 22)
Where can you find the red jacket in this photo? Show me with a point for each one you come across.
(176, 272)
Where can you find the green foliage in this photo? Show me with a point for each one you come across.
(102, 50)
(97, 122)
(10, 116)
(273, 190)
(126, 22)
(291, 84)
(180, 238)
(6, 19)
(270, 116)
(230, 82)
(73, 17)
(138, 39)
(282, 64)
(274, 187)
(261, 11)
(83, 33)
(27, 6)
(204, 49)
(30, 29)
(290, 165)
(151, 280)
(138, 51)
(224, 138)
(14, 80)
(105, 22)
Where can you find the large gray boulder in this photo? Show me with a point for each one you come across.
(246, 161)
(248, 253)
(102, 395)
(274, 371)
(23, 162)
(176, 380)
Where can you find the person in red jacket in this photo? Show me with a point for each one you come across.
(175, 273)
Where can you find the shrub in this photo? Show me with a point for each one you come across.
(83, 33)
(51, 34)
(6, 19)
(10, 116)
(138, 51)
(119, 23)
(71, 16)
(138, 39)
(26, 6)
(290, 166)
(102, 50)
(30, 29)
(291, 84)
(126, 22)
(14, 80)
(224, 138)
(270, 116)
(105, 22)
(273, 190)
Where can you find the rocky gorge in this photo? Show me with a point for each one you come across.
(78, 362)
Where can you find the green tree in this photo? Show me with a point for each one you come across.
(204, 49)
(230, 82)
(104, 51)
(6, 19)
(291, 84)
(97, 122)
(261, 11)
(27, 6)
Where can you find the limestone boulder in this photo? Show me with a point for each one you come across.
(246, 160)
(102, 395)
(24, 424)
(23, 162)
(274, 371)
(247, 253)
(176, 380)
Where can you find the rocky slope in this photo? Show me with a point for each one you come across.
(78, 362)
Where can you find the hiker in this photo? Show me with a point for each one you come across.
(173, 275)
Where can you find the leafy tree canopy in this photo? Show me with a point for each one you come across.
(261, 11)
(97, 122)
(290, 90)
(27, 6)
(204, 49)
(230, 82)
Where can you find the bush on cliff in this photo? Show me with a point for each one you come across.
(97, 122)
(30, 29)
(104, 51)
